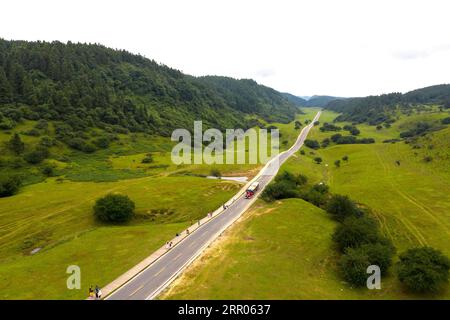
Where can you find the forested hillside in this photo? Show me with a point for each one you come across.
(378, 109)
(84, 85)
(299, 101)
(320, 101)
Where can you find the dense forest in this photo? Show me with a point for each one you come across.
(314, 101)
(88, 85)
(320, 101)
(298, 101)
(378, 109)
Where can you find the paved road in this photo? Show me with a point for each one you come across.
(152, 280)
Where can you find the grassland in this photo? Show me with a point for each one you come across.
(283, 250)
(55, 214)
(58, 217)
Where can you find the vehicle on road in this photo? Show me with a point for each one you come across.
(250, 192)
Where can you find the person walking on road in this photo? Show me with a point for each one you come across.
(98, 292)
(91, 292)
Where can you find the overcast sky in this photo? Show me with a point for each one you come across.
(341, 48)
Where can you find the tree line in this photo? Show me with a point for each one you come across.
(89, 85)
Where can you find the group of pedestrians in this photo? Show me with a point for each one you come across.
(95, 293)
(169, 244)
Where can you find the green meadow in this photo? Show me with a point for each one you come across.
(57, 217)
(54, 214)
(283, 250)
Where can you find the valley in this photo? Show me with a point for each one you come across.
(283, 250)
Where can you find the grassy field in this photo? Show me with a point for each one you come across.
(55, 214)
(58, 217)
(283, 250)
(277, 251)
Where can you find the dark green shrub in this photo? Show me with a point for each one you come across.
(37, 155)
(114, 208)
(280, 190)
(341, 207)
(301, 179)
(9, 185)
(48, 170)
(356, 231)
(315, 197)
(321, 188)
(16, 144)
(423, 269)
(313, 144)
(148, 159)
(353, 266)
(46, 142)
(379, 253)
(102, 142)
(89, 148)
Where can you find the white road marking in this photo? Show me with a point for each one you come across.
(134, 292)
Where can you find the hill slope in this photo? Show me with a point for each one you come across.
(377, 109)
(86, 85)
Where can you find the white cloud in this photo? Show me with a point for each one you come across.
(345, 48)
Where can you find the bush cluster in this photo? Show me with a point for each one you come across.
(114, 208)
(9, 185)
(359, 240)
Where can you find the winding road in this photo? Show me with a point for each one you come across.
(153, 279)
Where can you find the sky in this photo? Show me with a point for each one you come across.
(333, 47)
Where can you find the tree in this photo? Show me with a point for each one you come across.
(37, 155)
(287, 177)
(48, 170)
(335, 137)
(114, 208)
(345, 158)
(313, 144)
(354, 131)
(301, 179)
(379, 253)
(423, 269)
(5, 88)
(9, 185)
(337, 163)
(315, 197)
(325, 142)
(16, 144)
(102, 142)
(280, 190)
(354, 232)
(353, 266)
(318, 160)
(298, 124)
(341, 207)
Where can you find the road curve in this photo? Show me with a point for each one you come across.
(152, 280)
